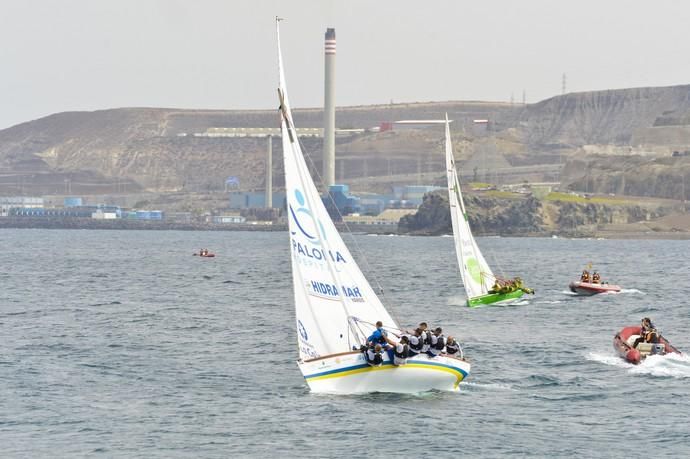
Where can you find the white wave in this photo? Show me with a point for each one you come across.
(488, 386)
(549, 302)
(632, 290)
(671, 365)
(609, 359)
(519, 303)
(456, 301)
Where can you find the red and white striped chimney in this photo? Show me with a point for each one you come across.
(329, 110)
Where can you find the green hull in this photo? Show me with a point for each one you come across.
(491, 298)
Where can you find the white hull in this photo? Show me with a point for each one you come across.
(350, 374)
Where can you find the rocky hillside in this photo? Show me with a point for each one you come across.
(605, 139)
(525, 216)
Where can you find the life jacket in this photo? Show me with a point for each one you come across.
(426, 340)
(440, 342)
(452, 348)
(373, 358)
(416, 344)
(400, 354)
(401, 351)
(651, 336)
(437, 344)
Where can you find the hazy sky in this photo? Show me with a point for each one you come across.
(94, 54)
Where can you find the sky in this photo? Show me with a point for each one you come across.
(66, 55)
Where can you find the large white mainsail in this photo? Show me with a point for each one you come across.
(330, 289)
(476, 274)
(334, 303)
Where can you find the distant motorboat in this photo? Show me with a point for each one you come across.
(590, 288)
(204, 255)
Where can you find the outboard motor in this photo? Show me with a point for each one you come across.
(658, 349)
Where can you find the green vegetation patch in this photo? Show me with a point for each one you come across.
(504, 194)
(479, 185)
(567, 197)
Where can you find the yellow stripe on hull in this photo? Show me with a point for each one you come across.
(458, 374)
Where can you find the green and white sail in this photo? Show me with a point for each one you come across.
(476, 274)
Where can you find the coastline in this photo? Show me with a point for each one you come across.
(162, 225)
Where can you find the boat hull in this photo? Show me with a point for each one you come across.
(589, 289)
(624, 339)
(494, 298)
(349, 373)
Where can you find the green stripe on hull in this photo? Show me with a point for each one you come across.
(491, 298)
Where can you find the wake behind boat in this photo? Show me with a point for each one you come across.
(481, 285)
(334, 304)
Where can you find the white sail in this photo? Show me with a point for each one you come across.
(476, 274)
(329, 287)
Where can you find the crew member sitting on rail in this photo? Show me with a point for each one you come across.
(374, 355)
(401, 352)
(438, 342)
(425, 336)
(519, 286)
(452, 346)
(415, 342)
(496, 287)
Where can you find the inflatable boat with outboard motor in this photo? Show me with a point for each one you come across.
(624, 344)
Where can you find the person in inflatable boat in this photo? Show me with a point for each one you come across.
(648, 333)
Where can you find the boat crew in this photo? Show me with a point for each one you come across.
(425, 337)
(401, 352)
(415, 342)
(452, 346)
(374, 355)
(585, 276)
(438, 342)
(596, 278)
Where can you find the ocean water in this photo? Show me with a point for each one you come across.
(122, 344)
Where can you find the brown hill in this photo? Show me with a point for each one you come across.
(134, 150)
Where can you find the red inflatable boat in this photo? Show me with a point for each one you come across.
(625, 339)
(588, 288)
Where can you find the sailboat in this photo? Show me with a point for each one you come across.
(335, 306)
(481, 286)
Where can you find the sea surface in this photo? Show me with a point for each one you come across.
(123, 344)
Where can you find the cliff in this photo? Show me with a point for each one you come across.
(526, 216)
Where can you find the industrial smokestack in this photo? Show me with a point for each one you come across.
(329, 111)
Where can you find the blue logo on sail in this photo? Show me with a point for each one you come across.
(303, 225)
(302, 330)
